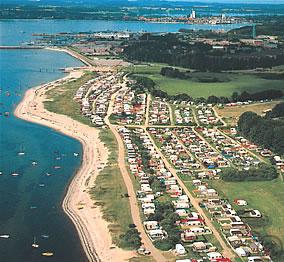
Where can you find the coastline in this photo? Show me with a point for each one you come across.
(77, 204)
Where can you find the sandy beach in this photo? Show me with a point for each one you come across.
(77, 204)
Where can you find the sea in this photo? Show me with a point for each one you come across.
(30, 203)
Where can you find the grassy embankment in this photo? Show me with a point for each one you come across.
(60, 99)
(110, 186)
(110, 192)
(266, 196)
(200, 85)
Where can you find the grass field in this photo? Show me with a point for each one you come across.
(265, 196)
(232, 114)
(60, 99)
(229, 82)
(109, 192)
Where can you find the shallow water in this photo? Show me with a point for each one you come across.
(30, 204)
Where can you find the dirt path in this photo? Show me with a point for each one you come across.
(227, 251)
(218, 116)
(171, 114)
(134, 207)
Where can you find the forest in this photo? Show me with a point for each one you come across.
(175, 51)
(266, 132)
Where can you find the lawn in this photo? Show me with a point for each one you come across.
(265, 196)
(238, 82)
(197, 87)
(109, 192)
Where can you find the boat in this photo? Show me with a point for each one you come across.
(21, 152)
(34, 163)
(45, 236)
(76, 154)
(33, 207)
(42, 185)
(35, 245)
(5, 236)
(1, 173)
(57, 167)
(48, 174)
(15, 174)
(47, 254)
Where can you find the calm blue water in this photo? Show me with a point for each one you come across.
(20, 195)
(15, 32)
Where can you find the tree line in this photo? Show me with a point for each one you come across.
(262, 173)
(173, 50)
(277, 111)
(266, 132)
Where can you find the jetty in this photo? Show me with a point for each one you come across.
(20, 47)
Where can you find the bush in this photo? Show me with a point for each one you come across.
(263, 173)
(163, 245)
(131, 238)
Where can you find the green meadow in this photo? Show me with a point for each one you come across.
(199, 86)
(266, 196)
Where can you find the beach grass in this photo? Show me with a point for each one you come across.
(110, 192)
(60, 99)
(266, 196)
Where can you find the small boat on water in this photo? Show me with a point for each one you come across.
(33, 207)
(45, 236)
(1, 173)
(47, 254)
(76, 154)
(21, 152)
(34, 163)
(15, 174)
(42, 185)
(48, 174)
(35, 245)
(57, 167)
(5, 236)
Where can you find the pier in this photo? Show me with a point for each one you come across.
(20, 47)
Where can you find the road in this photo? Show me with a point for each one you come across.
(227, 251)
(134, 207)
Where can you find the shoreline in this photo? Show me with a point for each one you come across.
(77, 204)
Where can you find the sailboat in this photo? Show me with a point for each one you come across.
(34, 163)
(5, 236)
(21, 152)
(35, 245)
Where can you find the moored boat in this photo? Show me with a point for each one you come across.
(5, 236)
(35, 245)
